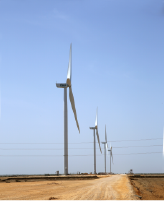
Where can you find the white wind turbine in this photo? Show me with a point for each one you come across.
(96, 127)
(111, 156)
(105, 148)
(65, 85)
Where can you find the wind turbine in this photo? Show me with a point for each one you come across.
(105, 148)
(111, 156)
(65, 85)
(94, 142)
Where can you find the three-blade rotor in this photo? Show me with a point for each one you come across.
(71, 97)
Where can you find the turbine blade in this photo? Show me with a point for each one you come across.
(106, 147)
(106, 140)
(98, 139)
(96, 120)
(105, 134)
(73, 106)
(69, 72)
(112, 155)
(96, 126)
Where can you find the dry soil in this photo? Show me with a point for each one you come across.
(115, 187)
(149, 188)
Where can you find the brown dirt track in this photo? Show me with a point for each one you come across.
(115, 187)
(149, 188)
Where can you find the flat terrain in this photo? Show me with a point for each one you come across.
(149, 188)
(105, 188)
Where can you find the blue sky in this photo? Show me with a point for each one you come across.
(117, 66)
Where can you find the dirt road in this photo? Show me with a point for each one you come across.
(115, 187)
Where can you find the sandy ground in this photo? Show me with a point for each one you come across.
(149, 188)
(115, 187)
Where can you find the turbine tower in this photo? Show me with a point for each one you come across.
(111, 156)
(65, 85)
(94, 141)
(105, 148)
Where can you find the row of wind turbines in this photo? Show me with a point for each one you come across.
(105, 145)
(71, 97)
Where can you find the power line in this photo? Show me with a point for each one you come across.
(87, 142)
(136, 140)
(140, 153)
(140, 146)
(44, 155)
(79, 155)
(70, 148)
(43, 149)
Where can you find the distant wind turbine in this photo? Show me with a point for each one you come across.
(105, 148)
(111, 156)
(95, 128)
(65, 85)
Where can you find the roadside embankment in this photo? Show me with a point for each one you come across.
(45, 178)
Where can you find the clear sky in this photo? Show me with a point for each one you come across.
(117, 66)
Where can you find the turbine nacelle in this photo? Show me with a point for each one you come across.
(62, 85)
(103, 142)
(92, 127)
